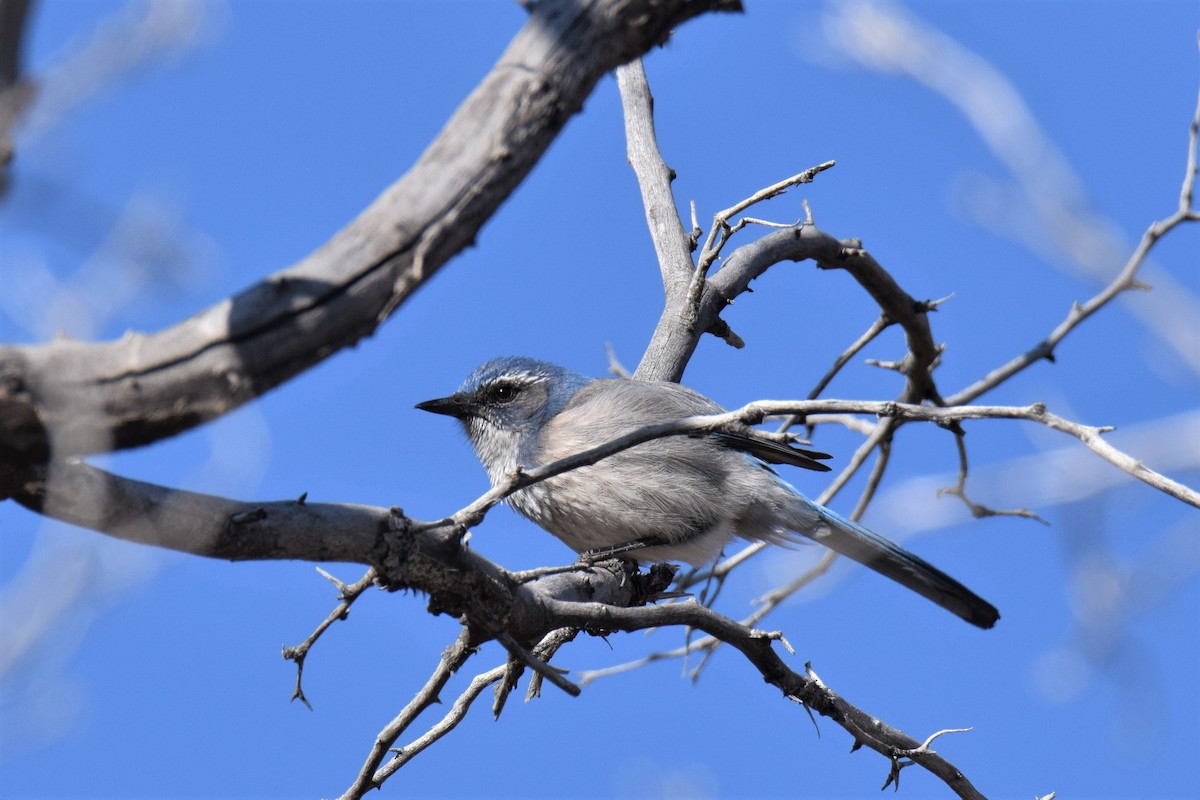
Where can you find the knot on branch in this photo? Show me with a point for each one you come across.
(436, 562)
(612, 583)
(752, 414)
(392, 545)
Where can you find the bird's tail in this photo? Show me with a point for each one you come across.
(888, 558)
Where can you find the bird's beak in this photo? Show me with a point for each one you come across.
(456, 405)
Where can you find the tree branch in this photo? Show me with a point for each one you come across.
(654, 177)
(694, 301)
(75, 398)
(452, 659)
(347, 594)
(755, 645)
(1126, 280)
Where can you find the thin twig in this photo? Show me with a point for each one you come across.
(1126, 280)
(457, 712)
(452, 659)
(873, 480)
(774, 190)
(959, 490)
(721, 231)
(462, 704)
(347, 593)
(1187, 190)
(880, 324)
(545, 650)
(756, 646)
(553, 674)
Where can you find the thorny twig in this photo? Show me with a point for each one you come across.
(347, 594)
(371, 776)
(1126, 280)
(959, 490)
(374, 772)
(721, 231)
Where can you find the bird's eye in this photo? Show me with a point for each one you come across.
(504, 392)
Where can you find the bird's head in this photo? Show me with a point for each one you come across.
(504, 404)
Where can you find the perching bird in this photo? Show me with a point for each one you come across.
(675, 498)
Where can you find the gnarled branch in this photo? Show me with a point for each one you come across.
(70, 398)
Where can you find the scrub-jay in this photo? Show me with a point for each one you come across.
(675, 498)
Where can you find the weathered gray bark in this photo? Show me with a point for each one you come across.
(71, 398)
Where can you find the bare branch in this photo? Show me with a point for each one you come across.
(201, 524)
(13, 16)
(85, 398)
(539, 666)
(687, 316)
(674, 342)
(654, 178)
(959, 490)
(689, 310)
(807, 242)
(754, 413)
(721, 230)
(457, 712)
(452, 659)
(545, 650)
(615, 367)
(1187, 190)
(709, 644)
(877, 327)
(897, 764)
(1124, 282)
(873, 480)
(1050, 208)
(347, 594)
(755, 645)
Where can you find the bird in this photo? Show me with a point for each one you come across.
(676, 498)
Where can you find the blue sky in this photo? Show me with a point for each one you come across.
(134, 672)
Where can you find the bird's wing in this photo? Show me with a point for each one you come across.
(630, 404)
(774, 452)
(662, 401)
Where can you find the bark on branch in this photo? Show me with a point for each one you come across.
(694, 301)
(70, 398)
